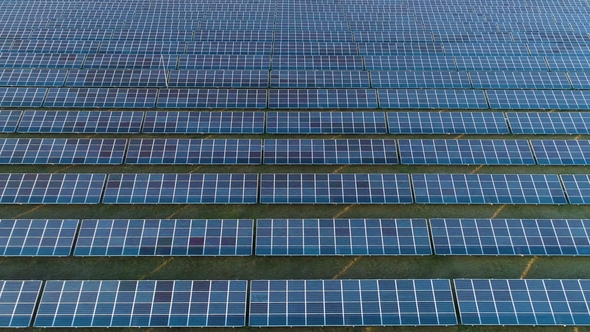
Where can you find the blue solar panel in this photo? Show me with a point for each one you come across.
(81, 122)
(549, 123)
(219, 78)
(314, 48)
(212, 98)
(130, 61)
(503, 63)
(221, 47)
(553, 36)
(522, 302)
(9, 120)
(392, 36)
(116, 78)
(22, 97)
(540, 237)
(312, 36)
(70, 34)
(101, 97)
(335, 189)
(415, 98)
(32, 77)
(561, 152)
(55, 46)
(141, 303)
(568, 63)
(142, 47)
(488, 189)
(37, 237)
(194, 151)
(17, 302)
(324, 98)
(519, 80)
(233, 36)
(465, 152)
(579, 80)
(472, 37)
(400, 49)
(351, 302)
(577, 188)
(165, 237)
(181, 189)
(224, 61)
(153, 35)
(38, 60)
(326, 123)
(319, 79)
(486, 49)
(422, 79)
(204, 122)
(331, 237)
(237, 25)
(317, 62)
(62, 151)
(56, 188)
(539, 99)
(553, 49)
(311, 25)
(320, 151)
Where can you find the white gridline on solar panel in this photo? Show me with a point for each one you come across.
(47, 34)
(315, 62)
(313, 36)
(549, 123)
(377, 62)
(130, 61)
(314, 48)
(33, 77)
(513, 63)
(410, 79)
(153, 35)
(100, 97)
(403, 48)
(213, 98)
(40, 60)
(576, 188)
(27, 235)
(580, 80)
(218, 78)
(284, 121)
(15, 304)
(561, 152)
(331, 79)
(251, 48)
(558, 48)
(455, 36)
(392, 36)
(22, 96)
(409, 98)
(531, 99)
(9, 119)
(71, 119)
(519, 80)
(114, 77)
(234, 36)
(55, 46)
(142, 46)
(224, 61)
(322, 98)
(486, 49)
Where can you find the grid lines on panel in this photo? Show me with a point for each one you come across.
(130, 61)
(9, 120)
(224, 62)
(519, 80)
(81, 122)
(319, 79)
(326, 123)
(219, 78)
(37, 237)
(116, 78)
(212, 98)
(549, 123)
(539, 99)
(101, 97)
(422, 79)
(142, 47)
(32, 77)
(405, 62)
(417, 98)
(222, 47)
(204, 122)
(502, 63)
(17, 302)
(577, 188)
(316, 62)
(322, 98)
(447, 123)
(22, 97)
(561, 152)
(40, 60)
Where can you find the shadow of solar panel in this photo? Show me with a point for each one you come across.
(32, 77)
(400, 49)
(142, 47)
(319, 79)
(219, 78)
(222, 47)
(415, 98)
(130, 61)
(212, 98)
(577, 188)
(37, 237)
(55, 46)
(335, 189)
(392, 36)
(351, 302)
(549, 123)
(204, 122)
(324, 98)
(332, 237)
(101, 97)
(321, 152)
(22, 97)
(486, 49)
(539, 99)
(519, 80)
(142, 303)
(17, 302)
(488, 189)
(465, 152)
(140, 237)
(561, 152)
(314, 48)
(233, 36)
(313, 36)
(317, 62)
(568, 63)
(404, 62)
(116, 78)
(522, 301)
(153, 35)
(31, 188)
(81, 122)
(9, 120)
(503, 63)
(224, 61)
(194, 151)
(181, 189)
(411, 79)
(70, 34)
(326, 123)
(540, 237)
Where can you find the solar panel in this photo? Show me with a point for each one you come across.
(465, 152)
(37, 237)
(194, 151)
(321, 151)
(204, 122)
(22, 97)
(32, 77)
(189, 188)
(219, 78)
(317, 62)
(549, 123)
(519, 80)
(319, 237)
(313, 36)
(62, 151)
(9, 120)
(56, 188)
(165, 237)
(472, 37)
(212, 98)
(101, 97)
(39, 60)
(142, 47)
(417, 98)
(419, 49)
(17, 302)
(233, 36)
(142, 303)
(222, 47)
(488, 189)
(567, 49)
(539, 99)
(486, 49)
(561, 152)
(335, 189)
(423, 79)
(311, 25)
(404, 62)
(81, 122)
(130, 61)
(322, 98)
(579, 80)
(553, 36)
(502, 63)
(153, 35)
(326, 123)
(116, 78)
(392, 36)
(314, 48)
(522, 301)
(55, 46)
(70, 34)
(568, 63)
(351, 302)
(577, 188)
(224, 61)
(319, 79)
(237, 25)
(539, 237)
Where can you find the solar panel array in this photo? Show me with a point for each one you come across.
(37, 237)
(17, 302)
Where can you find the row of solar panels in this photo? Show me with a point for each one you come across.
(295, 98)
(292, 79)
(110, 151)
(153, 122)
(360, 302)
(293, 188)
(294, 237)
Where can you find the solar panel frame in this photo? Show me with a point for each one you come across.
(18, 299)
(326, 123)
(580, 80)
(314, 48)
(37, 237)
(204, 122)
(9, 120)
(55, 46)
(549, 123)
(129, 122)
(403, 48)
(321, 98)
(142, 47)
(152, 35)
(313, 36)
(429, 99)
(233, 36)
(212, 98)
(69, 34)
(101, 97)
(568, 63)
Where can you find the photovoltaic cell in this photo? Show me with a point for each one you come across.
(9, 120)
(335, 189)
(17, 302)
(317, 62)
(130, 61)
(539, 237)
(351, 302)
(416, 98)
(447, 123)
(101, 97)
(488, 189)
(561, 152)
(549, 123)
(165, 237)
(142, 303)
(37, 237)
(194, 151)
(116, 78)
(56, 188)
(219, 78)
(319, 237)
(39, 60)
(32, 77)
(22, 97)
(181, 189)
(421, 79)
(539, 99)
(212, 98)
(502, 63)
(224, 61)
(81, 122)
(519, 80)
(204, 122)
(326, 123)
(405, 62)
(577, 188)
(322, 98)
